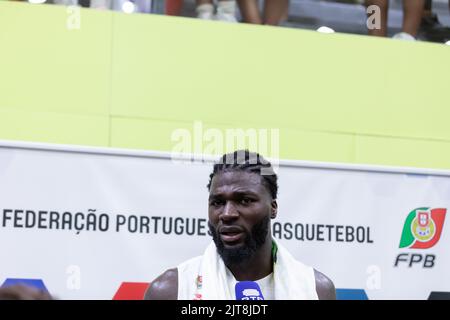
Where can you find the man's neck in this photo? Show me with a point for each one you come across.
(257, 267)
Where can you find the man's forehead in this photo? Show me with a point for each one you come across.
(239, 180)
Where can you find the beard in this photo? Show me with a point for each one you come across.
(254, 240)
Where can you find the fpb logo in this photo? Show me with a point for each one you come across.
(422, 230)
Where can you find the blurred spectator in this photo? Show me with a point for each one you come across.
(431, 28)
(274, 11)
(22, 292)
(226, 10)
(412, 16)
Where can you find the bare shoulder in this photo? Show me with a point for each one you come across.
(165, 287)
(324, 286)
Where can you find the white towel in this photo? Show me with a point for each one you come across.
(205, 278)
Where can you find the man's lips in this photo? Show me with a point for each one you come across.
(231, 233)
(231, 237)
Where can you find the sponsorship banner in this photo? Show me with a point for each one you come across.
(97, 223)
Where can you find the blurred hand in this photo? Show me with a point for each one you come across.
(21, 292)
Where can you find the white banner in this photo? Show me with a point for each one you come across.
(84, 222)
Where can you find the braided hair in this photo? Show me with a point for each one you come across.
(244, 160)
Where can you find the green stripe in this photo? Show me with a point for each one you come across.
(274, 252)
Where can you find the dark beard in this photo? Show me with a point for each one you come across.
(253, 241)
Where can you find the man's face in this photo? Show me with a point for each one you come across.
(240, 209)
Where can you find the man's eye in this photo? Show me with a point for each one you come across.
(246, 201)
(216, 203)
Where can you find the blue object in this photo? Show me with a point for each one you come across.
(35, 283)
(351, 294)
(248, 290)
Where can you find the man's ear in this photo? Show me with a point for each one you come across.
(274, 209)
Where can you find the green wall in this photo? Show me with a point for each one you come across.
(128, 81)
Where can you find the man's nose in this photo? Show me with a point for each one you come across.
(229, 211)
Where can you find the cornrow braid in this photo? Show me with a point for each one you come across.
(244, 160)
